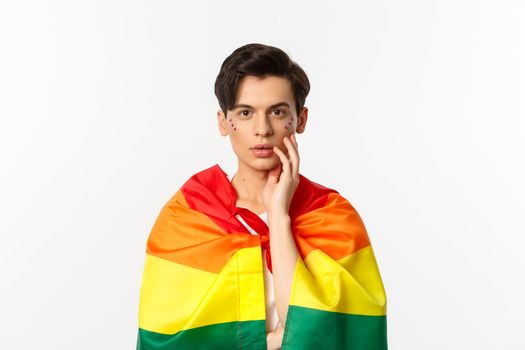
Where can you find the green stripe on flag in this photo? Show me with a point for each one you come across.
(317, 329)
(230, 335)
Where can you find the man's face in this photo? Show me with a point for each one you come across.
(264, 113)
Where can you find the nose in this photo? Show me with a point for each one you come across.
(263, 126)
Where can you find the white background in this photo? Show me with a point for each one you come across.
(416, 116)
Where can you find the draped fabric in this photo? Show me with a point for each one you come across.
(272, 318)
(202, 283)
(260, 227)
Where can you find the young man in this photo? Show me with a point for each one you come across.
(264, 258)
(266, 115)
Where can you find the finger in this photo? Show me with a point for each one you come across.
(273, 174)
(297, 149)
(294, 145)
(284, 160)
(292, 153)
(294, 156)
(294, 139)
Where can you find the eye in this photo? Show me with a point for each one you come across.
(281, 111)
(242, 112)
(246, 112)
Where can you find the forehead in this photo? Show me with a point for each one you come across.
(262, 92)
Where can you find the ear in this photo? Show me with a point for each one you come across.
(221, 120)
(301, 120)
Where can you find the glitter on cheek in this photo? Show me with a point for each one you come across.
(289, 123)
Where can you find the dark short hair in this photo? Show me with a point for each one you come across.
(262, 61)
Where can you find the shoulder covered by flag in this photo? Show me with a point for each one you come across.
(203, 288)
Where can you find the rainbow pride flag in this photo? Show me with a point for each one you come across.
(203, 288)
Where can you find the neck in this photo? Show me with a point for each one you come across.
(249, 183)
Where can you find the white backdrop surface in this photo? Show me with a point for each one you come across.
(416, 116)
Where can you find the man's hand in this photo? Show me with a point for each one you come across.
(274, 339)
(283, 179)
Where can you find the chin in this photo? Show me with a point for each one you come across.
(266, 163)
(269, 162)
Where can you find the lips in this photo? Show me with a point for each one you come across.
(263, 146)
(262, 152)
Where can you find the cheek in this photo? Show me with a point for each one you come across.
(289, 124)
(233, 126)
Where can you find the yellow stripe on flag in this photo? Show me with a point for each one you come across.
(175, 297)
(349, 285)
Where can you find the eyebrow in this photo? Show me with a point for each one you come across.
(243, 105)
